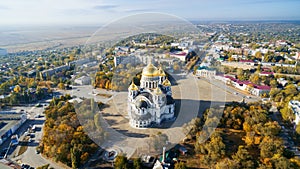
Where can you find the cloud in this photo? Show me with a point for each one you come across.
(4, 8)
(266, 1)
(104, 7)
(139, 10)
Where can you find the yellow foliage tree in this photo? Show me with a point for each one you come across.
(17, 89)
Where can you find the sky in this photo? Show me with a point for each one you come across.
(15, 12)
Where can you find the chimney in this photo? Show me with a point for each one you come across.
(164, 155)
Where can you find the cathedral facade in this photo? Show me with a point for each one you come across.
(151, 102)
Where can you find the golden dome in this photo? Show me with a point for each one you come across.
(157, 91)
(161, 72)
(150, 70)
(166, 83)
(133, 87)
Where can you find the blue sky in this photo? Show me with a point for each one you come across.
(103, 11)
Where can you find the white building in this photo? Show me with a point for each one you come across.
(50, 72)
(206, 72)
(152, 102)
(79, 62)
(295, 106)
(179, 54)
(10, 122)
(133, 59)
(84, 80)
(260, 90)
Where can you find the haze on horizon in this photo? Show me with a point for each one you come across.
(35, 12)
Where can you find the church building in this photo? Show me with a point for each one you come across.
(151, 102)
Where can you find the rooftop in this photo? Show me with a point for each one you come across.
(8, 120)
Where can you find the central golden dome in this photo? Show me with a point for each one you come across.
(150, 70)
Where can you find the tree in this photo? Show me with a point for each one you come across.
(258, 68)
(227, 163)
(287, 113)
(240, 74)
(61, 86)
(46, 166)
(137, 164)
(121, 162)
(243, 158)
(75, 157)
(17, 89)
(13, 99)
(298, 129)
(180, 165)
(192, 127)
(270, 146)
(282, 163)
(273, 84)
(270, 129)
(258, 55)
(255, 79)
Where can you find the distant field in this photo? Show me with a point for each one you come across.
(35, 38)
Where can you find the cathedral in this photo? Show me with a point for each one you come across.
(151, 102)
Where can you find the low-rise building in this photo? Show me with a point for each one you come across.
(9, 123)
(179, 54)
(79, 62)
(84, 80)
(282, 81)
(260, 90)
(266, 73)
(205, 72)
(50, 72)
(124, 60)
(90, 64)
(254, 89)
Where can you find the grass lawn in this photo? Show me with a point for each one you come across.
(24, 146)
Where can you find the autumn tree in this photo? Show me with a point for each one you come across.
(61, 86)
(243, 158)
(180, 165)
(17, 89)
(270, 146)
(121, 162)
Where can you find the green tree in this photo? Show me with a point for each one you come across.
(75, 157)
(137, 164)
